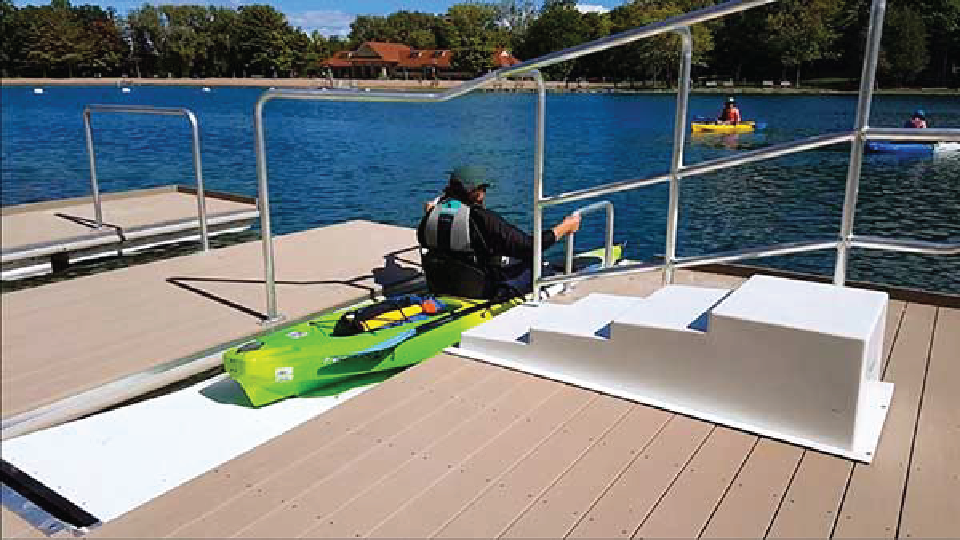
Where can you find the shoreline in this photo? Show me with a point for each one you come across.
(427, 86)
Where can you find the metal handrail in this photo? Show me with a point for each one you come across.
(266, 234)
(858, 138)
(680, 25)
(160, 111)
(608, 244)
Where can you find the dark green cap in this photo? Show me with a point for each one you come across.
(471, 177)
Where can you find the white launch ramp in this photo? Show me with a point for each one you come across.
(792, 360)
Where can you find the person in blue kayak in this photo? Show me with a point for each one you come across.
(730, 114)
(918, 120)
(465, 243)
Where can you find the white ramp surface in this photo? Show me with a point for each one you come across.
(113, 462)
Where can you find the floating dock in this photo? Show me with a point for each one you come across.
(44, 236)
(459, 448)
(64, 339)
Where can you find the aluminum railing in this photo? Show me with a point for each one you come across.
(160, 111)
(607, 207)
(681, 26)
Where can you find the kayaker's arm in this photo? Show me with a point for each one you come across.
(502, 238)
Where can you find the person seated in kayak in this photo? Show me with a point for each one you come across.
(918, 120)
(730, 114)
(466, 243)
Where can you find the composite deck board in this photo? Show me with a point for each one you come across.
(558, 509)
(628, 501)
(931, 507)
(685, 510)
(872, 504)
(308, 491)
(128, 320)
(33, 224)
(326, 496)
(13, 526)
(445, 499)
(809, 508)
(646, 473)
(444, 458)
(346, 429)
(505, 500)
(749, 506)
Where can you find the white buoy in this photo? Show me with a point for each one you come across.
(38, 90)
(206, 88)
(125, 90)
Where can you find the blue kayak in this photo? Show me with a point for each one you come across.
(913, 149)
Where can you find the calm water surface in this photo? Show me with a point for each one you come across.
(330, 162)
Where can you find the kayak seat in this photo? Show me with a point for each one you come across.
(449, 273)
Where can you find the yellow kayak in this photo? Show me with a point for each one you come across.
(706, 127)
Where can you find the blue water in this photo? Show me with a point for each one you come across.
(330, 162)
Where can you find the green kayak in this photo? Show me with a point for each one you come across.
(364, 339)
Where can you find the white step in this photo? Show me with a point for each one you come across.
(587, 317)
(787, 359)
(674, 307)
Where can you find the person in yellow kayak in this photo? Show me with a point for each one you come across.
(730, 114)
(918, 120)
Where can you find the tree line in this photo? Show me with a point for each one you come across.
(791, 39)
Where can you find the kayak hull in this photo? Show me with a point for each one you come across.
(914, 149)
(307, 358)
(703, 127)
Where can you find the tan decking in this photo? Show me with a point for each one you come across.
(66, 337)
(457, 448)
(35, 225)
(13, 526)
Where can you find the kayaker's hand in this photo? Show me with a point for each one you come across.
(570, 224)
(429, 205)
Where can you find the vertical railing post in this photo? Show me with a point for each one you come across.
(94, 186)
(538, 183)
(867, 79)
(263, 197)
(198, 171)
(676, 162)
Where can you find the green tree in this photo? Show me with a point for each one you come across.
(264, 44)
(559, 26)
(802, 31)
(10, 29)
(904, 45)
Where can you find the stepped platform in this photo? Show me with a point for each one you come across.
(458, 448)
(40, 237)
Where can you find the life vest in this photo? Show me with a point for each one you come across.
(451, 263)
(731, 114)
(447, 228)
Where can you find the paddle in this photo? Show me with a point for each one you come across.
(426, 327)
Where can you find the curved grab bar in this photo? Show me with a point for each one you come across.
(158, 111)
(608, 245)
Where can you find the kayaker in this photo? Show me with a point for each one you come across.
(918, 120)
(466, 242)
(730, 114)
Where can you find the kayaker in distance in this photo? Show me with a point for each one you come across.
(918, 120)
(466, 243)
(730, 114)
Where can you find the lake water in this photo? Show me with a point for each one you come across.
(330, 162)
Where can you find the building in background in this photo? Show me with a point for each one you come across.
(375, 60)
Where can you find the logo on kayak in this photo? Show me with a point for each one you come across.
(331, 360)
(296, 335)
(283, 374)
